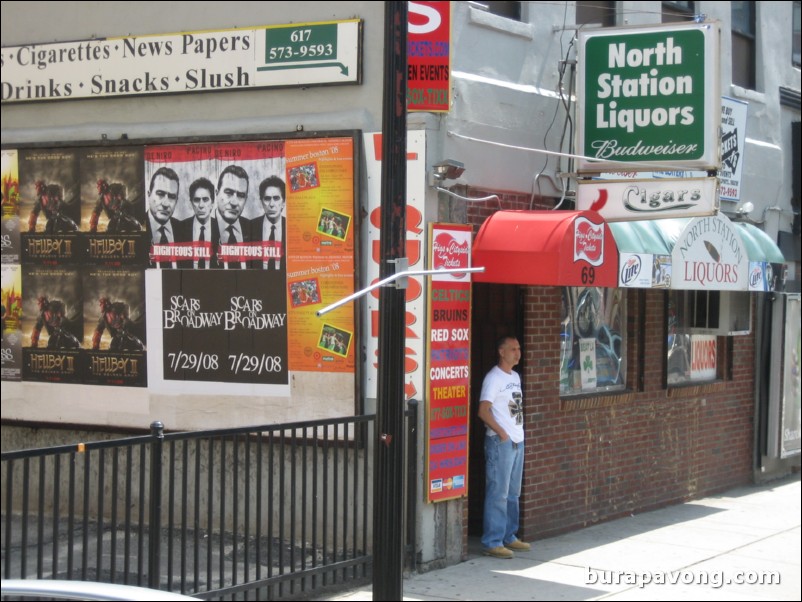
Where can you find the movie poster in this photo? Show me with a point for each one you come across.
(114, 326)
(12, 322)
(52, 323)
(321, 256)
(10, 215)
(112, 206)
(50, 207)
(207, 205)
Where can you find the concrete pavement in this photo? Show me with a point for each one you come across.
(743, 544)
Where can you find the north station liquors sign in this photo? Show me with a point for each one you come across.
(709, 254)
(649, 96)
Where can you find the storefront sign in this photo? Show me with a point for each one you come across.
(761, 276)
(703, 357)
(644, 270)
(449, 363)
(648, 199)
(709, 254)
(300, 54)
(588, 241)
(414, 346)
(648, 94)
(429, 56)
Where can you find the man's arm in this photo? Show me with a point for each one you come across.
(486, 415)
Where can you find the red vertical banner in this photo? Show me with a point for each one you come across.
(448, 363)
(429, 56)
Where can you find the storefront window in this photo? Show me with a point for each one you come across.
(691, 355)
(592, 340)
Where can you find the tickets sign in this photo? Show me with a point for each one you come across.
(448, 366)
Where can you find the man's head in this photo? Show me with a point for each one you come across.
(201, 197)
(105, 304)
(43, 302)
(272, 192)
(232, 192)
(509, 352)
(163, 194)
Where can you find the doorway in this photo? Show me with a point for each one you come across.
(497, 311)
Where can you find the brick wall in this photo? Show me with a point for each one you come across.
(646, 449)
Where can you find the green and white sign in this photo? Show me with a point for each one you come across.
(648, 98)
(300, 54)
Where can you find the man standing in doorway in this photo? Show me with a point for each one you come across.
(501, 409)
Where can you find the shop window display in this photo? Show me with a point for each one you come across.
(691, 343)
(592, 340)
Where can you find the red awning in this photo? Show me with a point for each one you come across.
(546, 248)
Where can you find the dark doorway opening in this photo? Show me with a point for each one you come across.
(497, 312)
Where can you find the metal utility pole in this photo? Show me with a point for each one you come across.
(388, 476)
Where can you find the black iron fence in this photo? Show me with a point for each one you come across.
(263, 513)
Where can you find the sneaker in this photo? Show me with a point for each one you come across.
(518, 545)
(498, 552)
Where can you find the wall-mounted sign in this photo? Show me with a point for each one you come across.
(647, 96)
(644, 270)
(791, 403)
(414, 333)
(588, 241)
(648, 199)
(300, 54)
(733, 145)
(429, 56)
(449, 363)
(709, 254)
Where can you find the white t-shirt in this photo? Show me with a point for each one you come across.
(504, 392)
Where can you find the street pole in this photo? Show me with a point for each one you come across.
(388, 479)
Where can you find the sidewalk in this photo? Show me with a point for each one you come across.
(716, 548)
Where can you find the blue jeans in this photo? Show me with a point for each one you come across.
(505, 465)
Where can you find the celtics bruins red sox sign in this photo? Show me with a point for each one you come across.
(649, 96)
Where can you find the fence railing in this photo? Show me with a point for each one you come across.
(263, 512)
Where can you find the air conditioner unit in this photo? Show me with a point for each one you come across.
(721, 313)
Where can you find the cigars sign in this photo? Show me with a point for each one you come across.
(709, 254)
